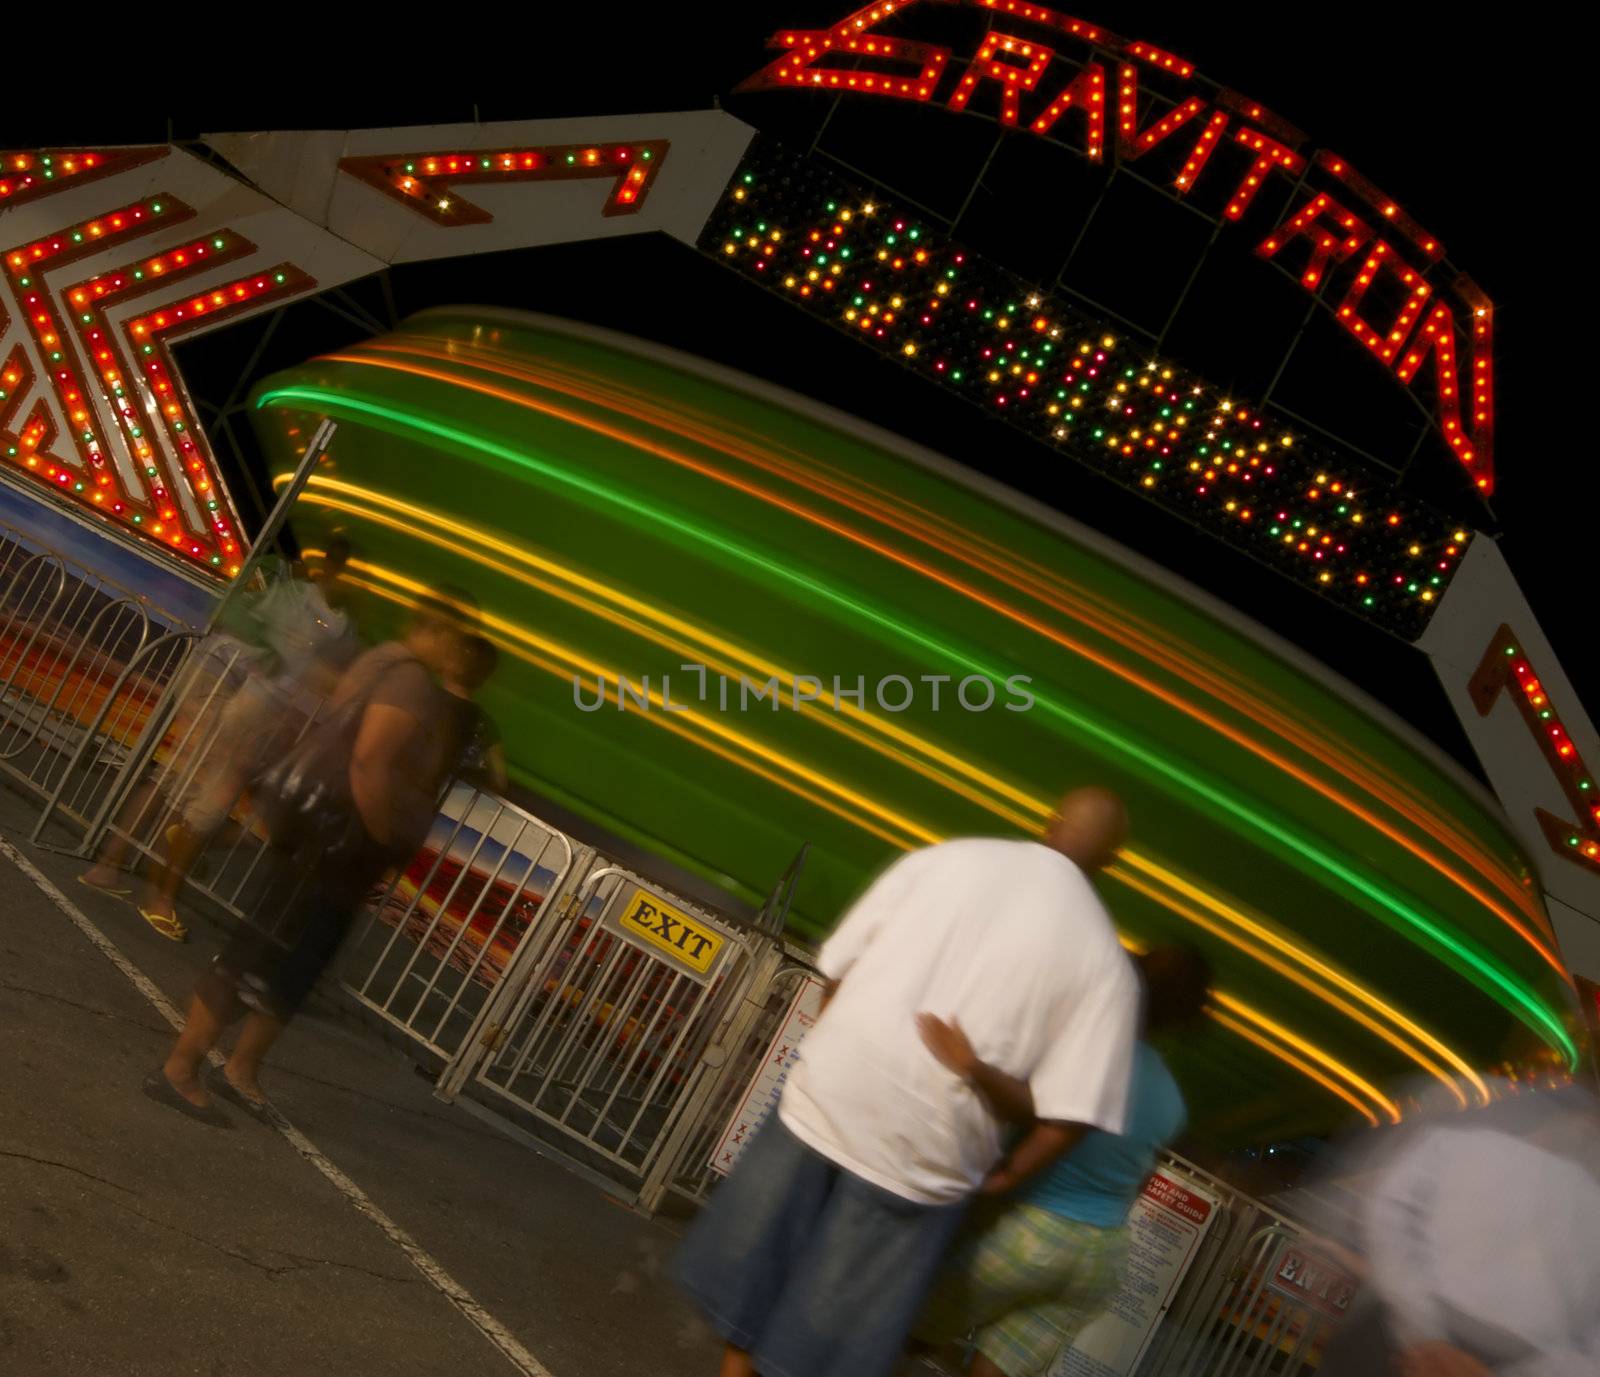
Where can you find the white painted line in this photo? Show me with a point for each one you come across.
(486, 1324)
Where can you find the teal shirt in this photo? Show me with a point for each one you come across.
(1098, 1181)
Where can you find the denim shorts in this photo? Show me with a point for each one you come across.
(814, 1271)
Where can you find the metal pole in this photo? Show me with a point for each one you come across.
(715, 1064)
(277, 517)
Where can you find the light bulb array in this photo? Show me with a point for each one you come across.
(902, 288)
(1507, 667)
(425, 181)
(95, 369)
(1044, 66)
(26, 175)
(1015, 64)
(1386, 206)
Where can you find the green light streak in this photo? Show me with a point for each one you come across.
(1525, 1004)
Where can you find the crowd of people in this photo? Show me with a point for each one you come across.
(341, 755)
(954, 1159)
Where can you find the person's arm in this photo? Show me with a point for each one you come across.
(829, 989)
(1007, 1096)
(376, 784)
(1438, 1359)
(495, 761)
(1036, 1150)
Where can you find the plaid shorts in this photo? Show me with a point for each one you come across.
(1020, 1284)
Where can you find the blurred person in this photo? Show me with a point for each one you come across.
(477, 752)
(300, 643)
(480, 757)
(1477, 1235)
(387, 753)
(813, 1258)
(1035, 1265)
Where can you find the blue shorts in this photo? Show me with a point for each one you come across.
(814, 1271)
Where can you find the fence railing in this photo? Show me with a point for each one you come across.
(1247, 1317)
(435, 946)
(502, 953)
(79, 673)
(601, 1035)
(767, 1005)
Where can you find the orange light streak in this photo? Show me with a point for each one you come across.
(1136, 860)
(414, 591)
(1175, 701)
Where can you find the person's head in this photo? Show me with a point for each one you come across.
(440, 625)
(1177, 979)
(475, 660)
(1088, 826)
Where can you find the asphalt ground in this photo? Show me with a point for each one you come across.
(378, 1231)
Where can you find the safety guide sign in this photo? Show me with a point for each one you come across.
(761, 1097)
(1167, 1224)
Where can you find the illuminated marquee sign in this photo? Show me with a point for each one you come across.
(110, 257)
(1384, 275)
(1506, 668)
(132, 449)
(426, 182)
(881, 273)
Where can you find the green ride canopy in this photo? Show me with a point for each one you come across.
(620, 512)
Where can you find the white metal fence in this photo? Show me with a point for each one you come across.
(82, 662)
(1243, 1310)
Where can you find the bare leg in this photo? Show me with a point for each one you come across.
(736, 1363)
(183, 846)
(200, 1033)
(243, 1070)
(216, 795)
(112, 858)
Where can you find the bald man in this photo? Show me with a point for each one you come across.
(814, 1257)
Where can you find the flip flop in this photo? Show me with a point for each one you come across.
(158, 1088)
(169, 927)
(116, 889)
(217, 1083)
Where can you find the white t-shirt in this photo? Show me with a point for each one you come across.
(1482, 1240)
(1010, 940)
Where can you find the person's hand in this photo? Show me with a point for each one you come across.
(1000, 1181)
(1437, 1359)
(948, 1044)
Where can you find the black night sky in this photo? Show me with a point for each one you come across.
(1442, 118)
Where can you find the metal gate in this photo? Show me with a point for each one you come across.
(569, 994)
(611, 1026)
(1272, 1311)
(767, 1005)
(1258, 1300)
(77, 671)
(435, 947)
